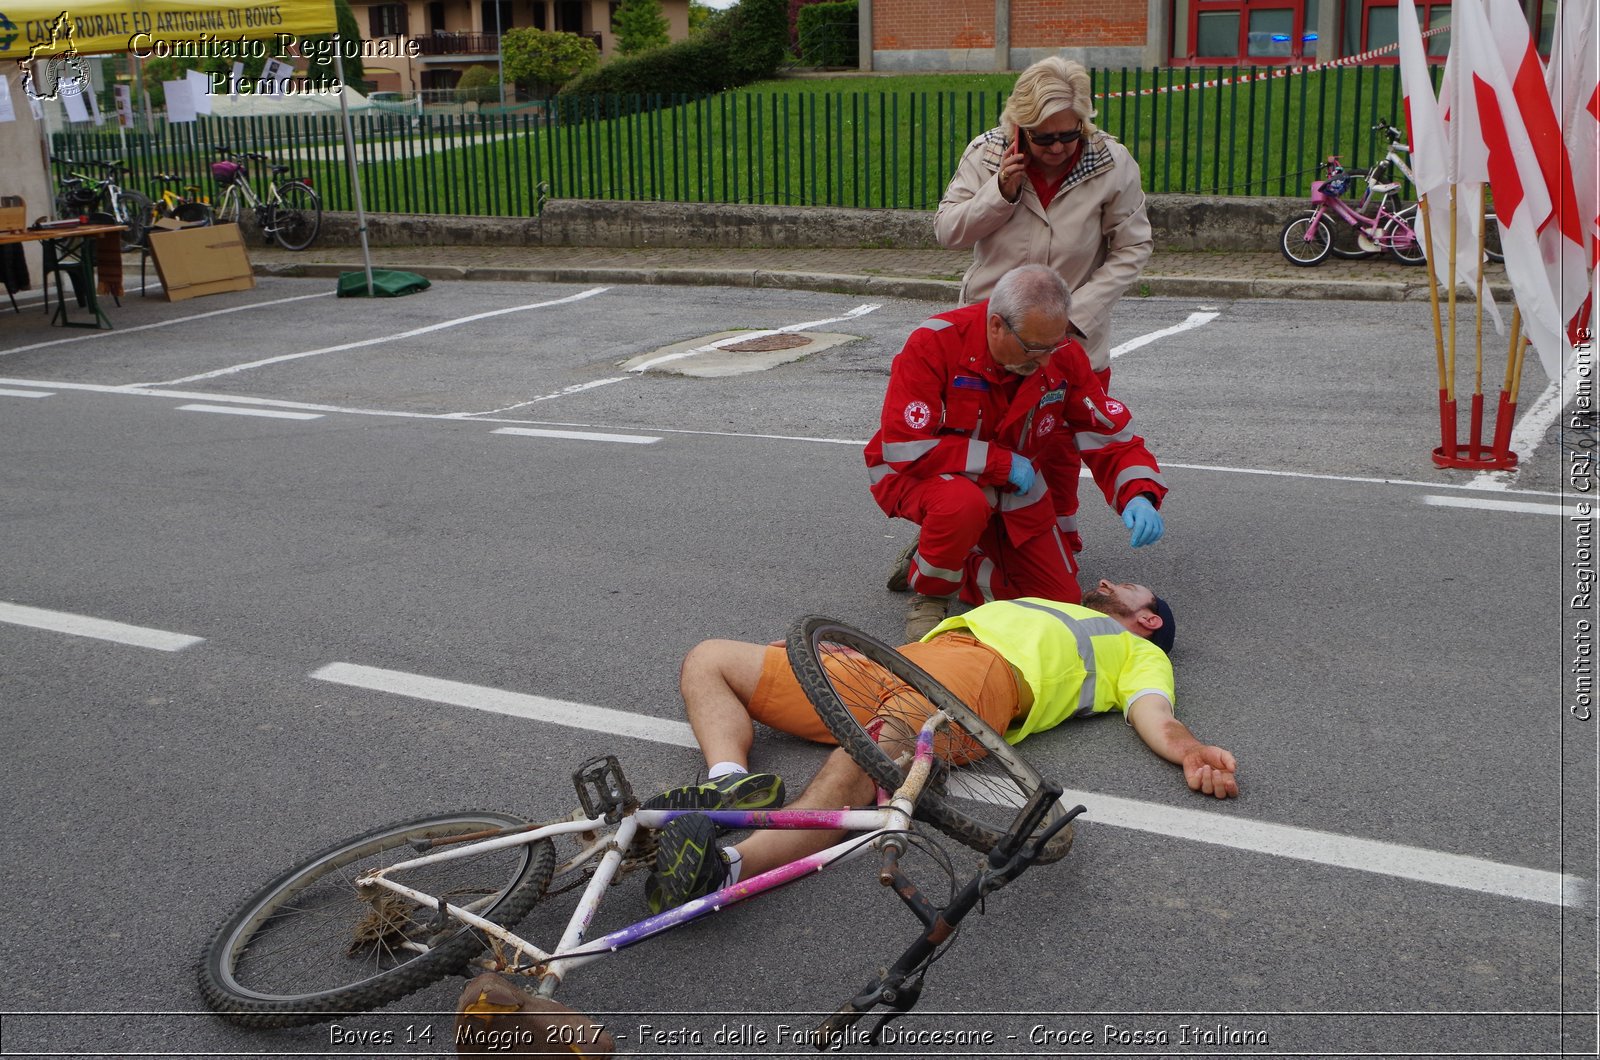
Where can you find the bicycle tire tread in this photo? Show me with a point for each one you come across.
(931, 806)
(387, 987)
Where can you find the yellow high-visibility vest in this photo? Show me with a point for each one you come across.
(1076, 660)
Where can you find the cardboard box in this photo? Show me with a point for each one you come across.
(197, 261)
(13, 213)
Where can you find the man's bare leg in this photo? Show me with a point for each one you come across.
(717, 680)
(839, 783)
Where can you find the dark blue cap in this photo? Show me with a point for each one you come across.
(1163, 637)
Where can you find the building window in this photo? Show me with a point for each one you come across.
(1253, 31)
(1372, 24)
(387, 20)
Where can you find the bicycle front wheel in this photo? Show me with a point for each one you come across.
(849, 675)
(137, 213)
(1306, 239)
(311, 945)
(297, 216)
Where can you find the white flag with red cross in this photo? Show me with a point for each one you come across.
(1432, 166)
(1490, 131)
(1573, 79)
(1561, 237)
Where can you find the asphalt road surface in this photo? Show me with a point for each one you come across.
(245, 537)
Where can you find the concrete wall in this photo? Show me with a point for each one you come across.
(1181, 222)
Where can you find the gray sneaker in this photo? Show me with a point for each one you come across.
(900, 575)
(924, 613)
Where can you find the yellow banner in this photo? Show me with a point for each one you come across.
(94, 27)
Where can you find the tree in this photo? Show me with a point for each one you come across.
(639, 26)
(699, 16)
(478, 83)
(542, 62)
(320, 66)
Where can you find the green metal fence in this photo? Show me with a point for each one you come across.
(866, 148)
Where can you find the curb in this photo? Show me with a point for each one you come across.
(908, 287)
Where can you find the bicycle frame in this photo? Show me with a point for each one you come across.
(882, 827)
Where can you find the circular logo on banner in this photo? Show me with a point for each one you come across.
(1046, 424)
(918, 415)
(1114, 407)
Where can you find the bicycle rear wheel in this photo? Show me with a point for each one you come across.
(137, 213)
(309, 945)
(840, 667)
(297, 216)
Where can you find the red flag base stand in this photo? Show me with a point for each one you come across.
(1475, 459)
(1475, 456)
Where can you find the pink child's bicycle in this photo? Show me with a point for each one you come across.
(1308, 238)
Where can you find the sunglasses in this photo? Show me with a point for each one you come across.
(1049, 347)
(1051, 139)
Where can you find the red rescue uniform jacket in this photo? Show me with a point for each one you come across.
(951, 410)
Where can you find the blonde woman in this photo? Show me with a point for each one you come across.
(1048, 188)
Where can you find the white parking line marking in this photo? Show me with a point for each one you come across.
(586, 436)
(516, 704)
(1485, 504)
(1195, 320)
(97, 628)
(746, 336)
(26, 393)
(575, 388)
(153, 391)
(457, 322)
(1530, 430)
(165, 323)
(1263, 837)
(235, 410)
(1327, 848)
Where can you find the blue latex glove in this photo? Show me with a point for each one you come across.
(1141, 517)
(1021, 475)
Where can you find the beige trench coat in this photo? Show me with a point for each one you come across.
(1095, 233)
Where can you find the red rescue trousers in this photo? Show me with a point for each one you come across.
(963, 546)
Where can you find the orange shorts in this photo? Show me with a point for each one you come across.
(978, 675)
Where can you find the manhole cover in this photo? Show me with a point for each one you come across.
(768, 343)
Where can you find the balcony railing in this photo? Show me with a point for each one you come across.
(471, 43)
(459, 44)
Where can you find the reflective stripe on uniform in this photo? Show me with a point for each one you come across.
(985, 580)
(1128, 474)
(905, 452)
(1010, 502)
(977, 457)
(934, 324)
(1088, 441)
(928, 570)
(1082, 630)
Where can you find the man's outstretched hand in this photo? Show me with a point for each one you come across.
(1210, 771)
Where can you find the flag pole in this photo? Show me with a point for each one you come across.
(1475, 442)
(1508, 394)
(1449, 411)
(350, 159)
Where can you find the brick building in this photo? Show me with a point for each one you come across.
(911, 35)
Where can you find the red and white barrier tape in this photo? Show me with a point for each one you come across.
(1269, 73)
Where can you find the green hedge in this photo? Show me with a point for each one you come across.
(828, 34)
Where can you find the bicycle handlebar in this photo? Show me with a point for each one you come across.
(1007, 860)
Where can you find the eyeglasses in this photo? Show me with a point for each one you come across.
(1051, 139)
(1035, 351)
